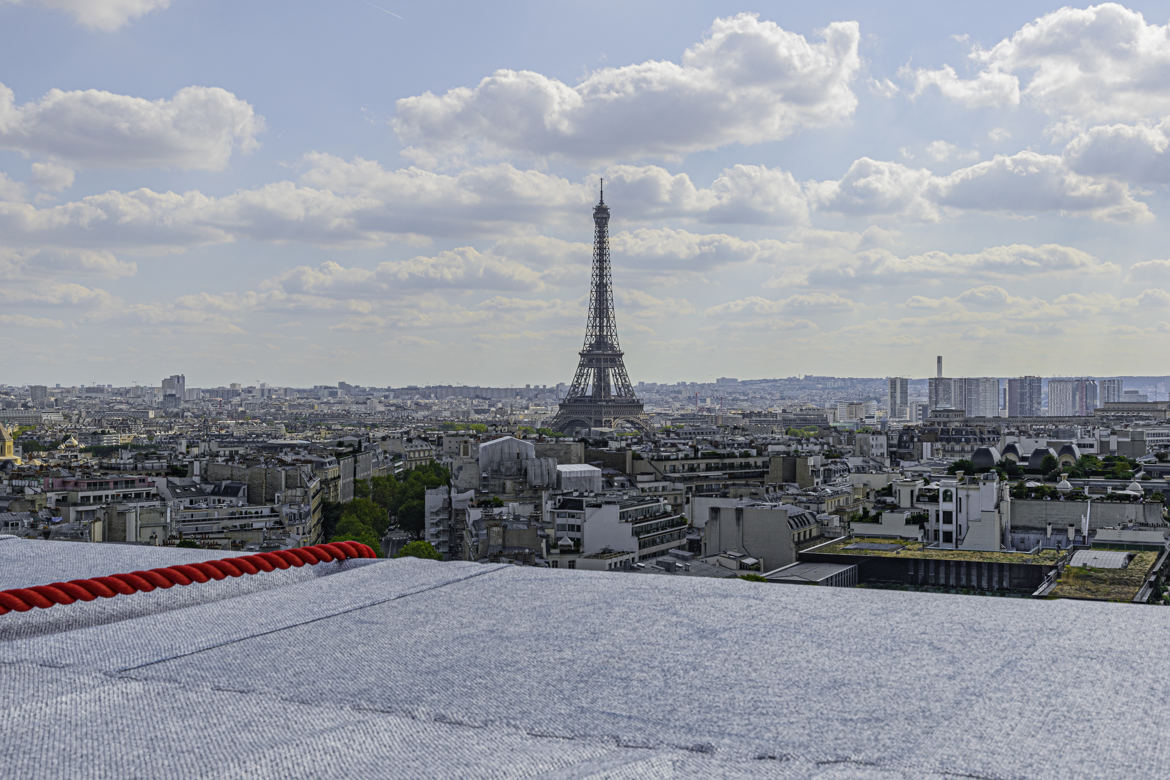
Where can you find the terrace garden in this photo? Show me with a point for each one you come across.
(916, 550)
(1084, 582)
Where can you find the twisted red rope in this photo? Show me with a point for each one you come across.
(44, 596)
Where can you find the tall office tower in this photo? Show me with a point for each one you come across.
(940, 393)
(174, 387)
(1071, 397)
(977, 396)
(176, 384)
(1023, 396)
(1090, 397)
(601, 395)
(899, 400)
(1110, 390)
(38, 393)
(938, 367)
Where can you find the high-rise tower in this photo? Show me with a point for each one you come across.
(601, 395)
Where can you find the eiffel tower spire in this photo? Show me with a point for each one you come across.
(601, 395)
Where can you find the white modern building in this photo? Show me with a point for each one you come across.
(586, 524)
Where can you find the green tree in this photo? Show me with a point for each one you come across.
(384, 491)
(330, 516)
(753, 577)
(367, 513)
(964, 465)
(361, 488)
(1011, 469)
(411, 516)
(1049, 464)
(419, 549)
(350, 529)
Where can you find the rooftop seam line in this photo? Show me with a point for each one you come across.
(122, 672)
(88, 589)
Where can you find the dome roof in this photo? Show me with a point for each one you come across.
(1135, 486)
(1069, 449)
(985, 457)
(1064, 485)
(1012, 449)
(1036, 459)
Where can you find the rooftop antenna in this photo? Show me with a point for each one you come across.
(601, 199)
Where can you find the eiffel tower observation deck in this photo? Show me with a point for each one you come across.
(601, 395)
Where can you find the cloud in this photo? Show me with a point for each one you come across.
(464, 268)
(991, 88)
(940, 151)
(1009, 262)
(1025, 182)
(197, 128)
(1136, 153)
(51, 177)
(339, 203)
(26, 321)
(52, 263)
(807, 304)
(104, 15)
(1028, 181)
(10, 190)
(1150, 271)
(877, 187)
(748, 81)
(1102, 63)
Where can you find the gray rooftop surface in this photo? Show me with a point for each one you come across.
(808, 571)
(410, 667)
(1101, 559)
(874, 546)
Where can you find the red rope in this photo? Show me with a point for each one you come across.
(44, 596)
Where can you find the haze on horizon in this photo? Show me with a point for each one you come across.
(400, 193)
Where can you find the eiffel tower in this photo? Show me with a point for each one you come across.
(601, 395)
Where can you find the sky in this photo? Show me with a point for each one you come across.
(400, 192)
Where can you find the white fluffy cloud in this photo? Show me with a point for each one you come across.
(197, 128)
(105, 15)
(51, 263)
(1026, 182)
(877, 187)
(808, 304)
(1137, 153)
(747, 81)
(1150, 272)
(989, 88)
(12, 191)
(1101, 63)
(1012, 261)
(51, 177)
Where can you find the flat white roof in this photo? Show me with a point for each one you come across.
(577, 468)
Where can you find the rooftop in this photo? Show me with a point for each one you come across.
(1110, 583)
(888, 548)
(419, 668)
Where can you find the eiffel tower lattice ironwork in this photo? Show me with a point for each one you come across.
(601, 395)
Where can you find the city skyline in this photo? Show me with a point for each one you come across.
(823, 191)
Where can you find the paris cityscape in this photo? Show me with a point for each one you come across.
(757, 393)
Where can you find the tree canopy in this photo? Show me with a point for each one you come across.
(380, 501)
(419, 549)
